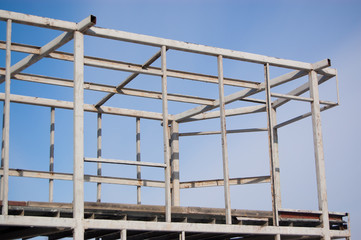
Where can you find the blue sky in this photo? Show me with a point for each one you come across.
(307, 31)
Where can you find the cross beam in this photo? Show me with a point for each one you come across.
(249, 91)
(261, 108)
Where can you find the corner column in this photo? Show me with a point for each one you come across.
(319, 155)
(78, 174)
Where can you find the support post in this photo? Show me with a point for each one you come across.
(139, 176)
(319, 155)
(6, 130)
(273, 150)
(51, 162)
(78, 175)
(174, 132)
(276, 162)
(123, 234)
(227, 196)
(182, 235)
(166, 136)
(99, 154)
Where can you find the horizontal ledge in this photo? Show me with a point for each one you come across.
(164, 226)
(125, 162)
(219, 132)
(87, 178)
(201, 227)
(213, 228)
(132, 182)
(27, 221)
(87, 107)
(220, 182)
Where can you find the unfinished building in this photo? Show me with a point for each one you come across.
(85, 220)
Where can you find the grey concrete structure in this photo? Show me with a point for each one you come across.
(84, 220)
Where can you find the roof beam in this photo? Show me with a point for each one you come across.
(37, 21)
(153, 41)
(196, 48)
(50, 47)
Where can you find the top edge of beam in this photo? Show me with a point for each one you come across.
(196, 48)
(156, 41)
(39, 21)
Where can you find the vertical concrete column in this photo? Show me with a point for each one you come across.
(182, 236)
(139, 176)
(319, 155)
(276, 162)
(99, 155)
(78, 175)
(51, 161)
(227, 197)
(273, 150)
(123, 234)
(166, 136)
